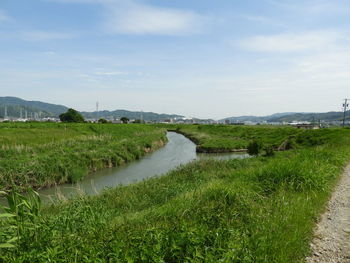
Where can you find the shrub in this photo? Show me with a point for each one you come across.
(124, 119)
(102, 120)
(254, 148)
(71, 116)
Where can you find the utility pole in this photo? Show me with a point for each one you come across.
(97, 104)
(20, 113)
(5, 115)
(345, 106)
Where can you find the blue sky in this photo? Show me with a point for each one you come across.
(202, 58)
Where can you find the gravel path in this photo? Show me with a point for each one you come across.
(331, 243)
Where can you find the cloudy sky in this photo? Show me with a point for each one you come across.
(200, 58)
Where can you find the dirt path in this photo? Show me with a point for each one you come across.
(332, 235)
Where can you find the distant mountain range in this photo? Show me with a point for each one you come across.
(132, 115)
(15, 106)
(291, 116)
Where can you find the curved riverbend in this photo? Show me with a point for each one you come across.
(178, 151)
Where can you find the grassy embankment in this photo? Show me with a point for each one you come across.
(43, 154)
(224, 138)
(253, 210)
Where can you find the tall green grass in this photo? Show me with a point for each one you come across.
(44, 154)
(227, 138)
(259, 209)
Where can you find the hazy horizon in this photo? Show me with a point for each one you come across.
(174, 113)
(195, 58)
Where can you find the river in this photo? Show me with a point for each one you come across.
(178, 151)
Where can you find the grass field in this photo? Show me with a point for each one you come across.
(44, 154)
(259, 209)
(227, 138)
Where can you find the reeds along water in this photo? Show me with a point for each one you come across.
(259, 209)
(40, 155)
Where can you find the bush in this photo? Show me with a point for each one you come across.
(124, 120)
(71, 116)
(102, 120)
(254, 148)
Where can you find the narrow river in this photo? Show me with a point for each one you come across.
(178, 151)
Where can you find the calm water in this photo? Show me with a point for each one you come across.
(179, 150)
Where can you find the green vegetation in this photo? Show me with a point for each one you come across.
(227, 138)
(102, 120)
(251, 210)
(254, 148)
(231, 138)
(124, 119)
(44, 154)
(71, 116)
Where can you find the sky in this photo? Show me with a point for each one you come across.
(197, 58)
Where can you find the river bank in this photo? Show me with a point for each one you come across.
(234, 138)
(177, 151)
(251, 210)
(203, 149)
(41, 155)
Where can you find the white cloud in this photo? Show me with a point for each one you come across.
(4, 16)
(44, 36)
(262, 19)
(318, 8)
(131, 17)
(334, 66)
(111, 73)
(292, 42)
(49, 53)
(140, 19)
(79, 1)
(256, 18)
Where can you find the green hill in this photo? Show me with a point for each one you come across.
(327, 116)
(150, 116)
(16, 105)
(292, 116)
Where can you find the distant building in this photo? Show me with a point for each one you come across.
(308, 126)
(304, 125)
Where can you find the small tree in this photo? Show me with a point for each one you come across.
(254, 148)
(102, 120)
(71, 116)
(124, 119)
